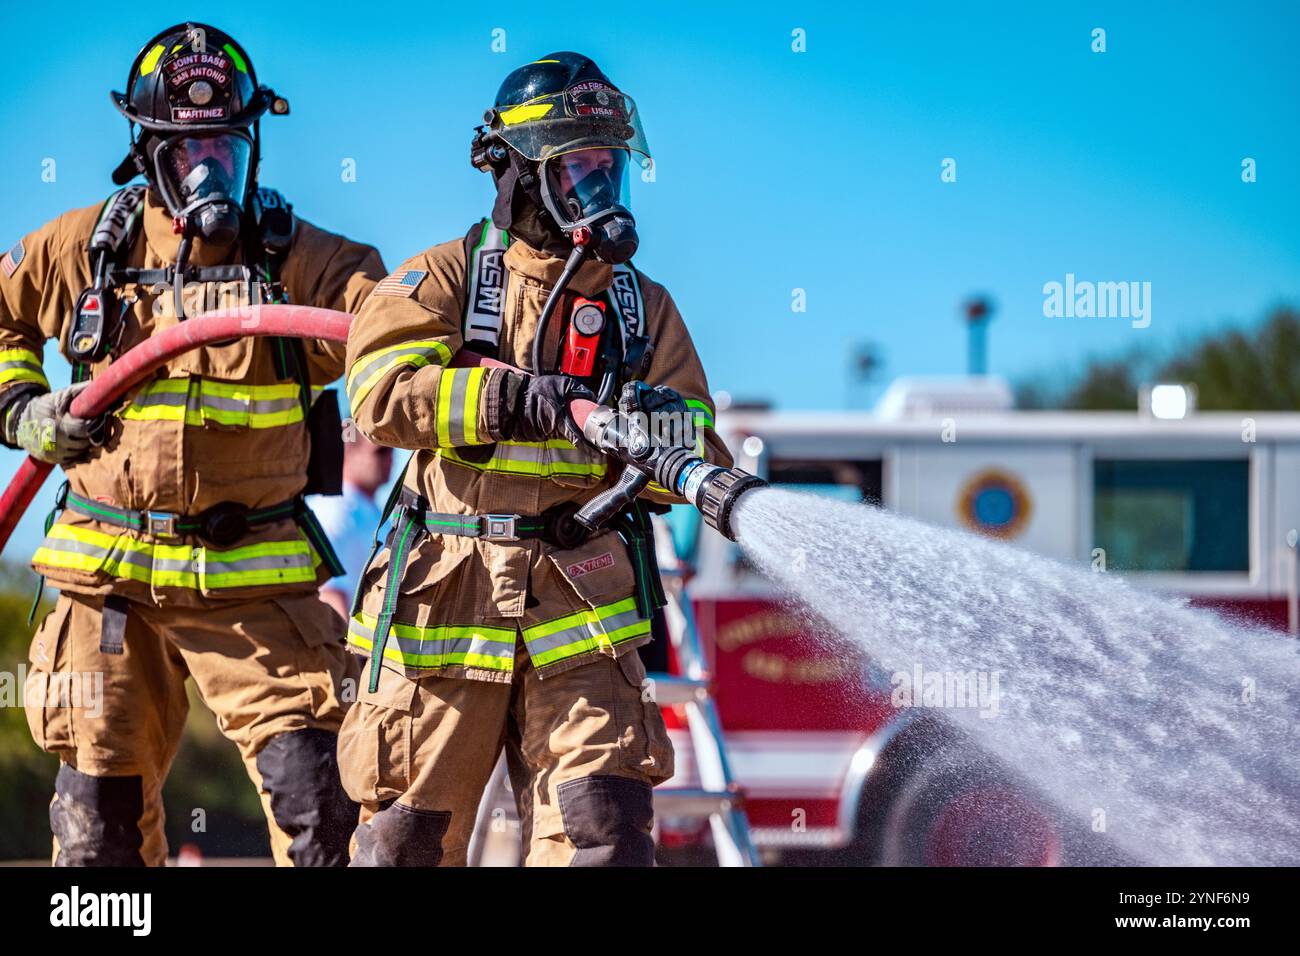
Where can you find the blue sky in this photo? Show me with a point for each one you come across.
(777, 170)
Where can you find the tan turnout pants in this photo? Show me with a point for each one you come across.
(584, 747)
(269, 669)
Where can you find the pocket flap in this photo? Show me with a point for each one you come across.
(44, 648)
(396, 691)
(599, 570)
(314, 620)
(431, 561)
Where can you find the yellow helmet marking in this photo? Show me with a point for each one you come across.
(151, 60)
(526, 112)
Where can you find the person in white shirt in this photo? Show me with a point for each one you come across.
(349, 519)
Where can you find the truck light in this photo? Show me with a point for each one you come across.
(1168, 402)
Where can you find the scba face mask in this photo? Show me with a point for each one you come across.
(203, 179)
(589, 188)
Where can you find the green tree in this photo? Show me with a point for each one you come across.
(1256, 369)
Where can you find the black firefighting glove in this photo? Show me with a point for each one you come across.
(536, 407)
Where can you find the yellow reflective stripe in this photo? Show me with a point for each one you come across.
(19, 355)
(433, 660)
(197, 401)
(23, 375)
(442, 424)
(463, 638)
(534, 460)
(586, 645)
(21, 365)
(584, 631)
(582, 616)
(85, 549)
(366, 372)
(472, 389)
(457, 412)
(701, 415)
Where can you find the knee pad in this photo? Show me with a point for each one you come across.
(96, 820)
(301, 773)
(402, 836)
(608, 819)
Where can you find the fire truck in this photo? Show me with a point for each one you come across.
(1201, 506)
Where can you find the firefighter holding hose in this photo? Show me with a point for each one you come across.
(494, 618)
(182, 547)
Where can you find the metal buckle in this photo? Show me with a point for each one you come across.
(160, 524)
(500, 528)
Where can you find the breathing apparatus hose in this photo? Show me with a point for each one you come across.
(289, 321)
(711, 489)
(581, 240)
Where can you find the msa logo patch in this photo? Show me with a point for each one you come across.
(490, 287)
(625, 297)
(579, 568)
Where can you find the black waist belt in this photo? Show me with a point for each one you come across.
(222, 524)
(412, 520)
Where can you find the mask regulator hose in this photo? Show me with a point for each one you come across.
(581, 244)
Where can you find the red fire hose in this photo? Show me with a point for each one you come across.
(291, 321)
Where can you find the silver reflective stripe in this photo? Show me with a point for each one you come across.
(444, 646)
(440, 646)
(456, 414)
(33, 366)
(140, 559)
(262, 562)
(359, 375)
(146, 399)
(585, 631)
(265, 406)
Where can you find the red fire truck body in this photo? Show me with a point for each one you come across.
(1199, 507)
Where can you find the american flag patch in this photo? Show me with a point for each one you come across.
(401, 283)
(13, 259)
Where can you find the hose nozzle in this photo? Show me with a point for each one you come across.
(711, 489)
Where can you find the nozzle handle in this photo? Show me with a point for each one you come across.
(610, 502)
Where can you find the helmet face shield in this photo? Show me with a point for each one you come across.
(584, 115)
(193, 170)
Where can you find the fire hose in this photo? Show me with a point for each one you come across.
(291, 321)
(711, 489)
